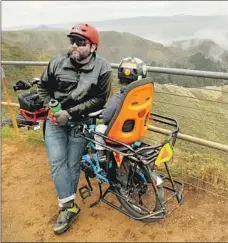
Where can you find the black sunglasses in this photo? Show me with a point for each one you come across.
(79, 42)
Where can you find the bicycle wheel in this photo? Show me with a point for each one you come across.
(137, 192)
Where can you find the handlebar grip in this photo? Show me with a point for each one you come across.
(21, 85)
(96, 113)
(24, 85)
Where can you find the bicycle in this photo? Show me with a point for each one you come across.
(130, 169)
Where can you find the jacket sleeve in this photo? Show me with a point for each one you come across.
(100, 97)
(110, 109)
(46, 85)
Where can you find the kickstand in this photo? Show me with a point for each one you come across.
(89, 183)
(100, 196)
(85, 191)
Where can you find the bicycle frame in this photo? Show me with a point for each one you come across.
(141, 153)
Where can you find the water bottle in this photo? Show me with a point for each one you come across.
(54, 105)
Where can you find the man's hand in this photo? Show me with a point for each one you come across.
(61, 117)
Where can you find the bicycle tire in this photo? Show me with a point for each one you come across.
(130, 208)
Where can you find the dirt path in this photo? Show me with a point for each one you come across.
(29, 207)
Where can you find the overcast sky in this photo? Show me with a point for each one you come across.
(17, 13)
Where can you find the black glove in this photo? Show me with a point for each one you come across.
(21, 85)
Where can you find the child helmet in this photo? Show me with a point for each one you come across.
(131, 69)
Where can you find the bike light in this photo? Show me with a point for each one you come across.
(118, 158)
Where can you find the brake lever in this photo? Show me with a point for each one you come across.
(34, 81)
(97, 114)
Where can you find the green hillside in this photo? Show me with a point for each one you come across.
(114, 46)
(13, 52)
(201, 113)
(13, 73)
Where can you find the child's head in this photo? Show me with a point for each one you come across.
(131, 69)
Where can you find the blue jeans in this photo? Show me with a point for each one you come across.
(64, 154)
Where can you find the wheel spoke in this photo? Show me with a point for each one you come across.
(139, 193)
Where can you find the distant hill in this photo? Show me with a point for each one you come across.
(163, 29)
(114, 46)
(207, 47)
(44, 27)
(52, 42)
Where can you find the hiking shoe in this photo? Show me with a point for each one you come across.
(65, 219)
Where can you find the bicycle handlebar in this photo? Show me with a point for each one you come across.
(24, 85)
(97, 114)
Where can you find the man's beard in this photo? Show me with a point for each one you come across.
(78, 57)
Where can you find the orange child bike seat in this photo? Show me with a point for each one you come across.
(130, 121)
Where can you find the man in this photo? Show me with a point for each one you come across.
(81, 82)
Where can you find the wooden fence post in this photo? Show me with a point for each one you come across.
(8, 97)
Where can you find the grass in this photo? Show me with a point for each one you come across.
(197, 165)
(25, 135)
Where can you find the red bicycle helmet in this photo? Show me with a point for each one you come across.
(87, 31)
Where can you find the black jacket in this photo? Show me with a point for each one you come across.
(80, 89)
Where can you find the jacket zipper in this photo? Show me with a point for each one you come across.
(78, 76)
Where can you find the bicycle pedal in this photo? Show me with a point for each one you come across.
(84, 192)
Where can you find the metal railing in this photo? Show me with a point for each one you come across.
(174, 71)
